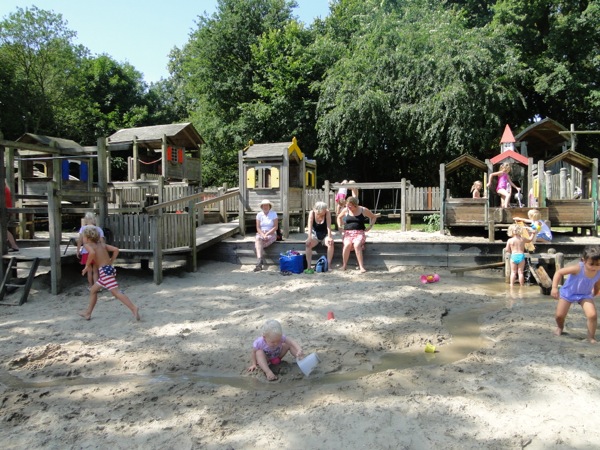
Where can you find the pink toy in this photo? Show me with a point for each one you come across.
(432, 278)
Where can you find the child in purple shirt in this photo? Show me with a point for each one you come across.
(271, 347)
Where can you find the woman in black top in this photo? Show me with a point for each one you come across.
(354, 217)
(319, 230)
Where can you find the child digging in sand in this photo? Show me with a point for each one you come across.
(98, 252)
(582, 285)
(271, 347)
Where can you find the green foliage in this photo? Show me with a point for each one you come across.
(432, 223)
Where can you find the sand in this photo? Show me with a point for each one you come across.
(177, 379)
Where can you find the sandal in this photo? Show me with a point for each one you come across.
(258, 268)
(11, 250)
(309, 271)
(286, 273)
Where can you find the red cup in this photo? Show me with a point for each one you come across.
(330, 315)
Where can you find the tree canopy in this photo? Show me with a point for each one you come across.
(376, 91)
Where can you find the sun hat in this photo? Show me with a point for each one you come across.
(266, 202)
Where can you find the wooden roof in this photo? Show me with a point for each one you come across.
(274, 150)
(54, 145)
(543, 138)
(572, 157)
(178, 134)
(462, 160)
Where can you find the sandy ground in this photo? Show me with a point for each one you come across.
(177, 379)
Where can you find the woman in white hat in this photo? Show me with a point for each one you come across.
(266, 231)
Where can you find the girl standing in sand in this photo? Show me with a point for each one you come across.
(271, 347)
(582, 285)
(89, 220)
(515, 247)
(504, 184)
(98, 252)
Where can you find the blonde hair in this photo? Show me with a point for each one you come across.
(89, 218)
(533, 214)
(272, 328)
(352, 200)
(476, 186)
(514, 230)
(320, 206)
(92, 234)
(505, 167)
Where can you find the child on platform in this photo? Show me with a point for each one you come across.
(515, 248)
(582, 285)
(271, 347)
(504, 184)
(476, 189)
(98, 252)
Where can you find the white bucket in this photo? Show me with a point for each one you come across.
(308, 363)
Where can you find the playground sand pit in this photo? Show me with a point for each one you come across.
(177, 379)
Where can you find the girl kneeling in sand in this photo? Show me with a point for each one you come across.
(271, 347)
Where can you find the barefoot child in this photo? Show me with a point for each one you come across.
(515, 247)
(504, 184)
(89, 220)
(582, 285)
(98, 252)
(271, 347)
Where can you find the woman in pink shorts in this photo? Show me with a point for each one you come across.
(353, 218)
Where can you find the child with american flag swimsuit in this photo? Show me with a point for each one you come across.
(98, 252)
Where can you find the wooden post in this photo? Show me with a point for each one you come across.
(193, 258)
(136, 160)
(304, 207)
(506, 260)
(243, 193)
(284, 189)
(541, 197)
(594, 195)
(442, 197)
(103, 163)
(326, 199)
(403, 204)
(3, 213)
(54, 227)
(156, 232)
(164, 164)
(528, 201)
(563, 184)
(223, 204)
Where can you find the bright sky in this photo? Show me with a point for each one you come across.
(141, 32)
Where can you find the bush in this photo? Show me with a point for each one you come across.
(432, 223)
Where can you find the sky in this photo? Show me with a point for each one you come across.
(141, 32)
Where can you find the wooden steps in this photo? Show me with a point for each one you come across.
(12, 283)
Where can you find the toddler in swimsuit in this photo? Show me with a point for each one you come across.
(271, 347)
(515, 247)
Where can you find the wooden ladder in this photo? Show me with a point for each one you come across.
(10, 282)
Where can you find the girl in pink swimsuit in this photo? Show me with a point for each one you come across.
(504, 184)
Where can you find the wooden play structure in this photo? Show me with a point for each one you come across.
(279, 172)
(578, 213)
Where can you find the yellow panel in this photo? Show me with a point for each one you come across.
(536, 188)
(310, 179)
(251, 178)
(274, 177)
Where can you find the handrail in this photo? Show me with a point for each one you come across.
(230, 194)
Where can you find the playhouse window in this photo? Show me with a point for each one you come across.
(263, 178)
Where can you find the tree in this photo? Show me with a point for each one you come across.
(419, 88)
(216, 71)
(42, 64)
